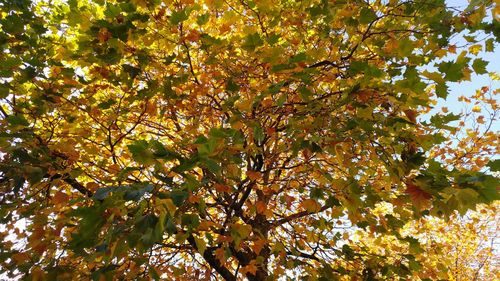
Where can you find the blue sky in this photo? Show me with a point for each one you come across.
(468, 88)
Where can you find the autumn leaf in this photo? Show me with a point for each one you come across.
(261, 207)
(210, 139)
(311, 205)
(220, 254)
(419, 197)
(253, 175)
(250, 268)
(60, 198)
(103, 35)
(222, 188)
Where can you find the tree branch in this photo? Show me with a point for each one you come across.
(297, 216)
(213, 261)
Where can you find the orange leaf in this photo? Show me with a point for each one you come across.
(411, 115)
(20, 258)
(60, 198)
(258, 245)
(193, 198)
(253, 175)
(261, 207)
(222, 188)
(103, 35)
(220, 254)
(419, 197)
(92, 186)
(250, 268)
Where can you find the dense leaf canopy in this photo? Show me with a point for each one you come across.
(235, 139)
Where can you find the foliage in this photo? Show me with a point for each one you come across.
(463, 248)
(225, 139)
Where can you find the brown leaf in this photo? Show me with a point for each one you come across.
(222, 188)
(261, 207)
(103, 35)
(253, 175)
(60, 198)
(411, 115)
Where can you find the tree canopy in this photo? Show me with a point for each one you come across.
(240, 139)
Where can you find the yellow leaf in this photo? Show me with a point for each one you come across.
(243, 230)
(237, 125)
(411, 115)
(245, 105)
(475, 49)
(391, 45)
(201, 245)
(311, 205)
(466, 74)
(168, 203)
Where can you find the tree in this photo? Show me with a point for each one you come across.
(463, 248)
(227, 139)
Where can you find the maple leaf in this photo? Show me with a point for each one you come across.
(250, 268)
(220, 254)
(103, 35)
(419, 197)
(218, 139)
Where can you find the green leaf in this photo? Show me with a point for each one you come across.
(494, 165)
(211, 165)
(202, 19)
(160, 151)
(170, 226)
(191, 221)
(102, 193)
(442, 90)
(140, 152)
(135, 193)
(441, 121)
(281, 67)
(258, 133)
(131, 70)
(88, 228)
(106, 104)
(4, 90)
(367, 15)
(35, 174)
(186, 164)
(453, 71)
(489, 45)
(17, 120)
(300, 57)
(489, 190)
(479, 66)
(178, 196)
(240, 232)
(13, 24)
(252, 41)
(304, 93)
(231, 86)
(179, 16)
